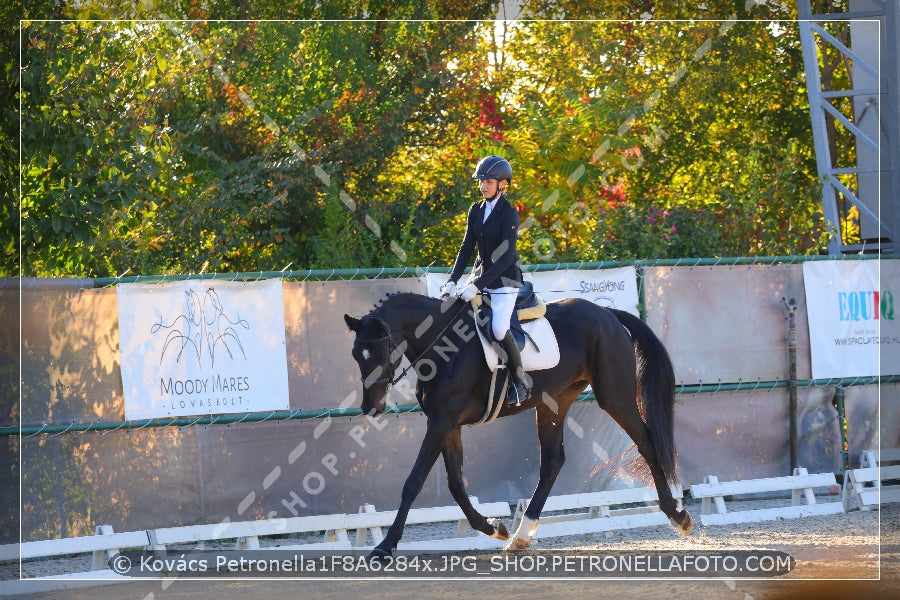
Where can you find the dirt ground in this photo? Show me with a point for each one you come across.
(842, 556)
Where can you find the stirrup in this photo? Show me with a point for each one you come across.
(512, 394)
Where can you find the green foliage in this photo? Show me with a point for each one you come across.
(215, 146)
(10, 204)
(695, 122)
(230, 145)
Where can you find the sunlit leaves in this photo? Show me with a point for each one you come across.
(175, 146)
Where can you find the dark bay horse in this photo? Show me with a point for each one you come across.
(612, 350)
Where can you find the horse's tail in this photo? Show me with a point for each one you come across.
(656, 391)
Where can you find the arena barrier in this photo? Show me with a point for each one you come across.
(801, 484)
(596, 512)
(564, 515)
(865, 483)
(586, 513)
(335, 528)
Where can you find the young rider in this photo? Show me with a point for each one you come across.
(492, 226)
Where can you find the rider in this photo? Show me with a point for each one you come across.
(493, 225)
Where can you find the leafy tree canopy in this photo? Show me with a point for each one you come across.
(169, 136)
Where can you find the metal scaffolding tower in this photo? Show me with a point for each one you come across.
(856, 127)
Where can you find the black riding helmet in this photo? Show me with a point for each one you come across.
(493, 167)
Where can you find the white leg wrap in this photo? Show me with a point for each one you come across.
(522, 538)
(527, 528)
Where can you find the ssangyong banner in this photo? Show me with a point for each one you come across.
(612, 288)
(201, 347)
(852, 326)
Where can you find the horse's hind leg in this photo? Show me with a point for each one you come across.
(618, 396)
(630, 420)
(453, 461)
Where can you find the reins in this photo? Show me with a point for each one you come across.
(392, 379)
(539, 292)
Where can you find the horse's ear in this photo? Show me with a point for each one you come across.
(352, 324)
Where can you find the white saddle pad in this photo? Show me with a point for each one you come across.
(532, 360)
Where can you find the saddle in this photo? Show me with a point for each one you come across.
(531, 330)
(528, 307)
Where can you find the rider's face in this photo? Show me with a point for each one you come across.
(489, 187)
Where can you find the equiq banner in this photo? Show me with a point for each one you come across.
(852, 326)
(612, 288)
(198, 348)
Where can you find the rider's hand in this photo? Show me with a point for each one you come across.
(468, 292)
(448, 290)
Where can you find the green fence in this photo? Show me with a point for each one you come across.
(386, 273)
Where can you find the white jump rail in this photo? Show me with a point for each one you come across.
(866, 482)
(247, 533)
(594, 512)
(336, 527)
(801, 484)
(368, 520)
(104, 543)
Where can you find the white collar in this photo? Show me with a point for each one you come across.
(489, 208)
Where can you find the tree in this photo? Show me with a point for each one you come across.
(232, 144)
(181, 146)
(701, 134)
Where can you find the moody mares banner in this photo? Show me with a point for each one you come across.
(201, 347)
(852, 327)
(613, 288)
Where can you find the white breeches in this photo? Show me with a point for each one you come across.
(503, 302)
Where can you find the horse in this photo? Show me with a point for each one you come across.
(614, 351)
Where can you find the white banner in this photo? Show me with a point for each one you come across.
(199, 348)
(852, 326)
(612, 288)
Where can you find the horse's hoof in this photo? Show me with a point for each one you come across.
(500, 530)
(381, 555)
(517, 545)
(685, 526)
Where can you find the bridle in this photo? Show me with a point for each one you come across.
(392, 347)
(391, 379)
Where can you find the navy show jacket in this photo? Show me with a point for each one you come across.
(497, 264)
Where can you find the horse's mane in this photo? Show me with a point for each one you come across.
(392, 298)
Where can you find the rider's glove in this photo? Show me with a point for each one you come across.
(468, 292)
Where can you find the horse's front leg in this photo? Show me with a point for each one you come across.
(550, 436)
(435, 436)
(453, 461)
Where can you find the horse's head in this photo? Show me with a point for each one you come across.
(374, 352)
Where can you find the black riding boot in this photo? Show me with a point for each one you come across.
(519, 381)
